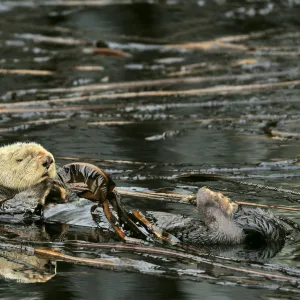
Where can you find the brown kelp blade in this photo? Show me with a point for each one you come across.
(96, 180)
(94, 184)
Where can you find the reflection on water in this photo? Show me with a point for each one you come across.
(25, 268)
(217, 128)
(85, 283)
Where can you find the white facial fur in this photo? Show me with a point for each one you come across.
(21, 165)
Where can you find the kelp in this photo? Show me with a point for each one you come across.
(26, 72)
(160, 82)
(217, 90)
(98, 187)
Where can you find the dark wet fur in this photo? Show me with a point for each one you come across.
(260, 226)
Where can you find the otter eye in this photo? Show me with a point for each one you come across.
(19, 159)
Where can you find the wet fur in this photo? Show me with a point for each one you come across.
(21, 165)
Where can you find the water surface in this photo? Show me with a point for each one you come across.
(214, 129)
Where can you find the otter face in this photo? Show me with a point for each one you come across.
(23, 165)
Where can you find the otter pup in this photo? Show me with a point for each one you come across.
(26, 167)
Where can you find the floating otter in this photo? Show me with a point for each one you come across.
(223, 222)
(30, 169)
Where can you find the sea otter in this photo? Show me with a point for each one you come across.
(30, 180)
(223, 222)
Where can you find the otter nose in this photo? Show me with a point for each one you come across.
(47, 162)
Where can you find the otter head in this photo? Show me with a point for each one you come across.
(23, 165)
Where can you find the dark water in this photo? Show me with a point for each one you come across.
(35, 35)
(90, 284)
